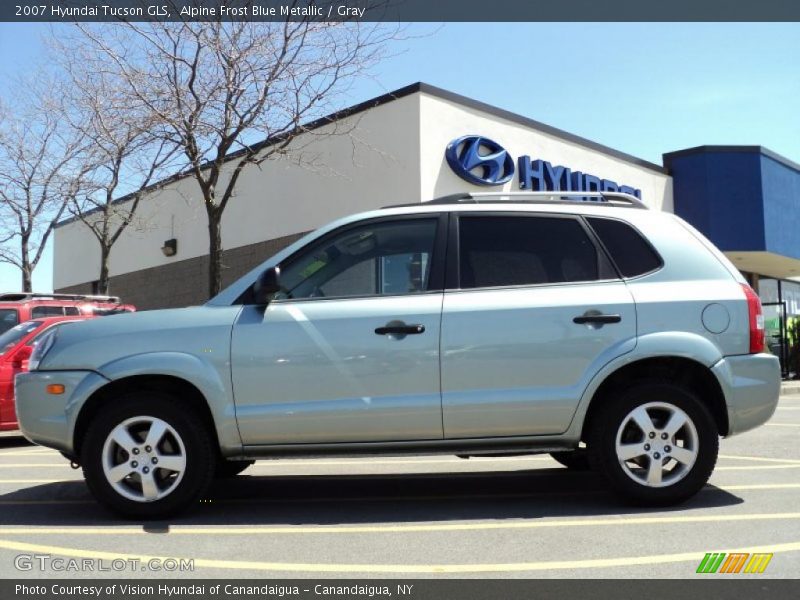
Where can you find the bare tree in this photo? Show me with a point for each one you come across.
(41, 171)
(217, 88)
(126, 153)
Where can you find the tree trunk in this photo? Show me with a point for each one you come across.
(27, 270)
(27, 285)
(214, 252)
(102, 282)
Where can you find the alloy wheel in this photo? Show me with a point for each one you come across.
(144, 458)
(657, 444)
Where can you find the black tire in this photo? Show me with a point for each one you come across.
(231, 468)
(574, 460)
(199, 456)
(621, 478)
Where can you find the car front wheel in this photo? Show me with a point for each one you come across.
(147, 456)
(656, 444)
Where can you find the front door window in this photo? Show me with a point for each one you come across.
(379, 259)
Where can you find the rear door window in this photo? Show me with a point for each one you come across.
(502, 251)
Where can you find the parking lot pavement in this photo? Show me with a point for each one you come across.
(415, 517)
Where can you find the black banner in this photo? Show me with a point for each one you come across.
(707, 588)
(399, 10)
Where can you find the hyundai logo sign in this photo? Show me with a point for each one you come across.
(482, 161)
(479, 160)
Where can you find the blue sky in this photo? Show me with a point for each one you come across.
(641, 88)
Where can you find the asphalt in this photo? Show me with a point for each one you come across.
(523, 517)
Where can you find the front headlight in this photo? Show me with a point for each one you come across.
(41, 348)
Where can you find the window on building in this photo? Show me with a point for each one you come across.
(521, 250)
(385, 258)
(632, 254)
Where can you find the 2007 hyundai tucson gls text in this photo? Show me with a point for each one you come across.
(591, 328)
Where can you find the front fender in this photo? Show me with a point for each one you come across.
(210, 375)
(654, 345)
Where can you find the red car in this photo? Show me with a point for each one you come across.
(18, 307)
(16, 346)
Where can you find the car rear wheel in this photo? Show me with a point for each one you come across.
(147, 456)
(656, 444)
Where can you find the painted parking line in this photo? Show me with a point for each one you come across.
(62, 480)
(552, 565)
(790, 461)
(28, 452)
(782, 424)
(33, 465)
(437, 527)
(756, 467)
(760, 486)
(43, 502)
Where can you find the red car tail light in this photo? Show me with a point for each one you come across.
(756, 320)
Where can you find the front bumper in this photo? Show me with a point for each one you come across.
(48, 419)
(751, 384)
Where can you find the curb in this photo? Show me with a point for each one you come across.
(790, 388)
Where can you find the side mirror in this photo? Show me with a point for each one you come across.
(267, 285)
(20, 359)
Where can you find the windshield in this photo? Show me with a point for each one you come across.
(10, 338)
(8, 318)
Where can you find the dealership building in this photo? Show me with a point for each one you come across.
(422, 142)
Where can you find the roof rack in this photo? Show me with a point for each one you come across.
(20, 296)
(601, 198)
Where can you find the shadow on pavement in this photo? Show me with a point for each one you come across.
(14, 440)
(357, 499)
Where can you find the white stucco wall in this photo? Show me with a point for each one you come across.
(394, 154)
(373, 165)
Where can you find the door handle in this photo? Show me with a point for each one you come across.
(596, 319)
(400, 329)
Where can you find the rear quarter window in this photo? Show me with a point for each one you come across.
(629, 250)
(9, 317)
(47, 311)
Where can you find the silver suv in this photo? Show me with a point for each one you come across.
(611, 336)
